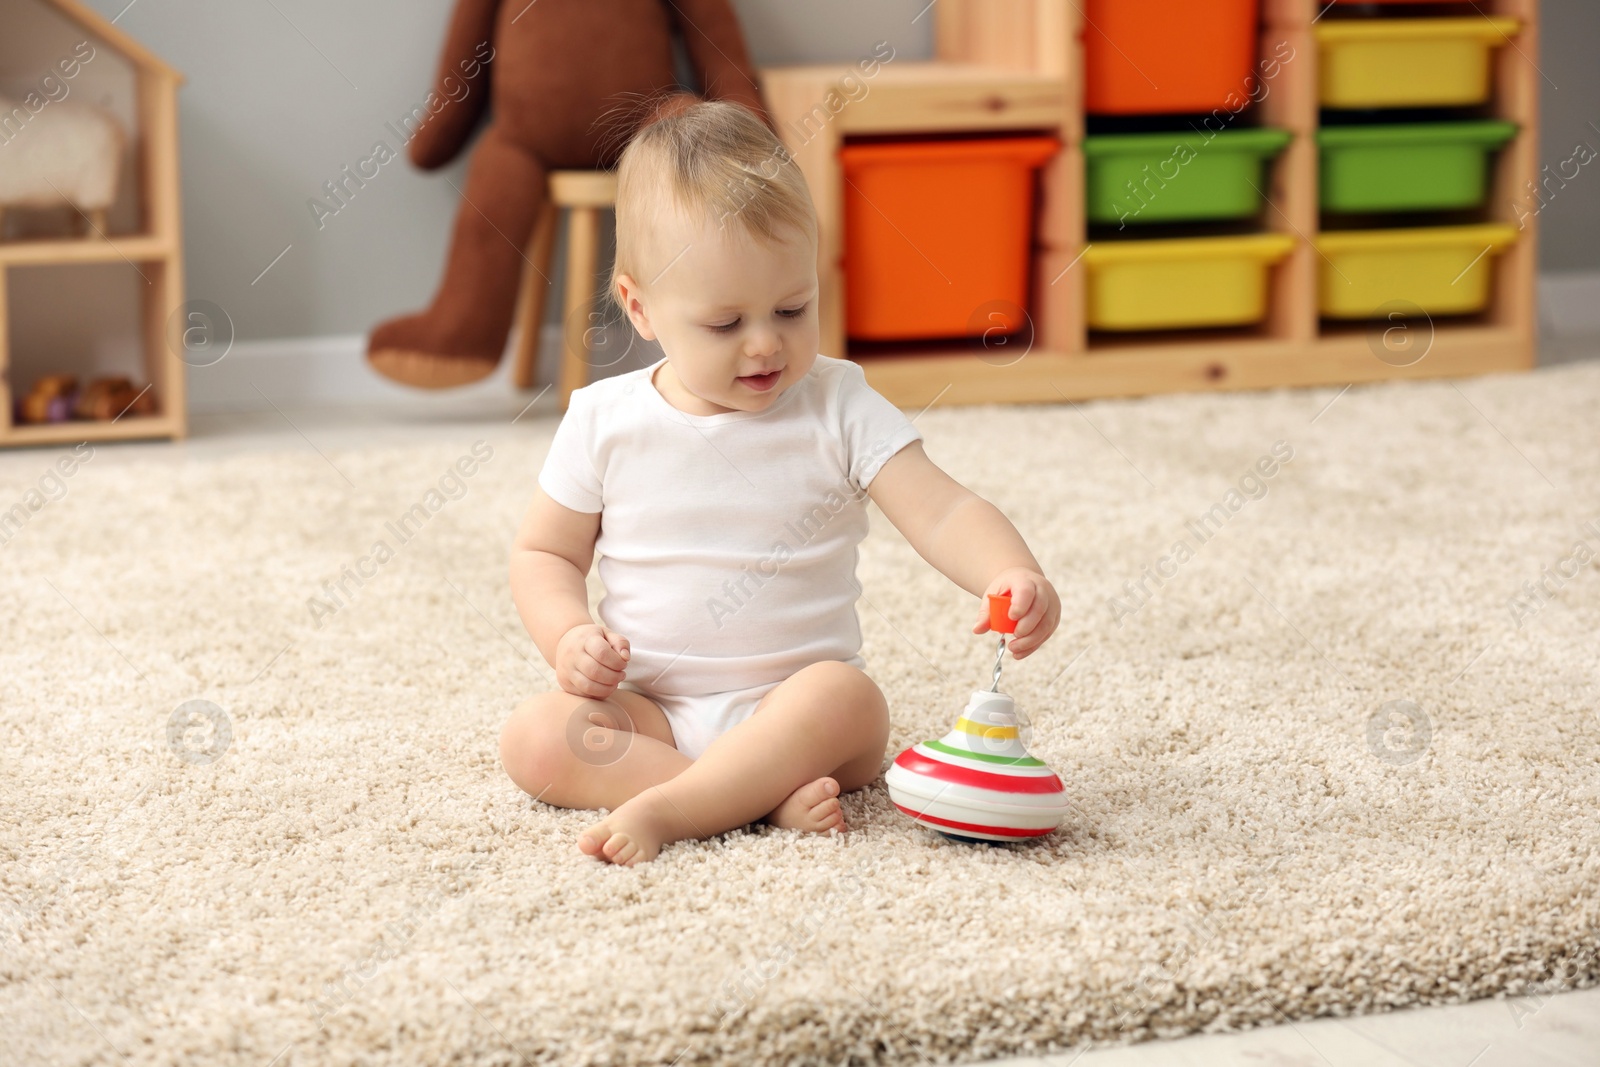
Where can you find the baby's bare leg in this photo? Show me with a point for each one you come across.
(828, 719)
(814, 806)
(578, 753)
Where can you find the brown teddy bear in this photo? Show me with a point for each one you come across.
(560, 75)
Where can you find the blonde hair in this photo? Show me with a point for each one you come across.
(711, 159)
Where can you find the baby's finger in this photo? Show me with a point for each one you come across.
(600, 672)
(618, 642)
(1039, 630)
(1023, 597)
(1022, 642)
(1034, 616)
(602, 651)
(580, 686)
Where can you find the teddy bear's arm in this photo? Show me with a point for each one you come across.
(468, 41)
(717, 52)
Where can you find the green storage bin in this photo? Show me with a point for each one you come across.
(1424, 166)
(1178, 176)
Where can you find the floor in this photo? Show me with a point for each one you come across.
(1560, 1030)
(1528, 1032)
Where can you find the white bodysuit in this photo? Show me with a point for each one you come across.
(728, 542)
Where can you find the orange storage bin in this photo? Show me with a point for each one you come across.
(937, 235)
(1158, 57)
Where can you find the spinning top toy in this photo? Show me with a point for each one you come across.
(977, 782)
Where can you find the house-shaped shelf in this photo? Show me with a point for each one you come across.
(58, 50)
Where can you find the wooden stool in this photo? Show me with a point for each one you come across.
(582, 194)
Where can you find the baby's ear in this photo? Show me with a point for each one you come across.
(628, 290)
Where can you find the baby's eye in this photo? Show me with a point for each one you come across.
(794, 313)
(724, 327)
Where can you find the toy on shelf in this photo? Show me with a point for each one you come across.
(72, 155)
(113, 397)
(978, 782)
(50, 399)
(57, 398)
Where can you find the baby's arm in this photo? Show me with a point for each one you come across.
(550, 559)
(968, 540)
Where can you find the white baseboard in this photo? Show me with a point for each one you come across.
(315, 372)
(309, 372)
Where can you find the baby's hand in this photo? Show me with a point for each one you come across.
(1034, 604)
(590, 661)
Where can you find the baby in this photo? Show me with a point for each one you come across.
(722, 487)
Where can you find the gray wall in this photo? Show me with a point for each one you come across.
(268, 115)
(281, 95)
(1569, 115)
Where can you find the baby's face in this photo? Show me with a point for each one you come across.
(735, 315)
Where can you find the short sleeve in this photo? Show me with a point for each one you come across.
(873, 429)
(569, 476)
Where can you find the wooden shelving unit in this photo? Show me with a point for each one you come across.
(156, 250)
(1018, 67)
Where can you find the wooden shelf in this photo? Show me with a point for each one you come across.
(932, 96)
(914, 381)
(157, 253)
(1019, 66)
(127, 428)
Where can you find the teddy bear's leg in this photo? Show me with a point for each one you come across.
(462, 335)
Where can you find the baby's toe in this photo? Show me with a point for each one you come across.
(815, 794)
(828, 815)
(594, 839)
(620, 848)
(812, 808)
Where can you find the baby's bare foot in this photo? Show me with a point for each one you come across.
(633, 833)
(814, 808)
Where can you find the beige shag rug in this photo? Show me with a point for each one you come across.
(1341, 755)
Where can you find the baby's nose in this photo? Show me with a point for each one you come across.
(762, 344)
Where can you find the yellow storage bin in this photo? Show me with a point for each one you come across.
(1181, 282)
(1444, 270)
(1408, 62)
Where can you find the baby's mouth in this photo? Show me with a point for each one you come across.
(761, 382)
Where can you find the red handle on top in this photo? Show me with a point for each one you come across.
(1000, 620)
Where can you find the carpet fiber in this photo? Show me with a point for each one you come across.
(1330, 756)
